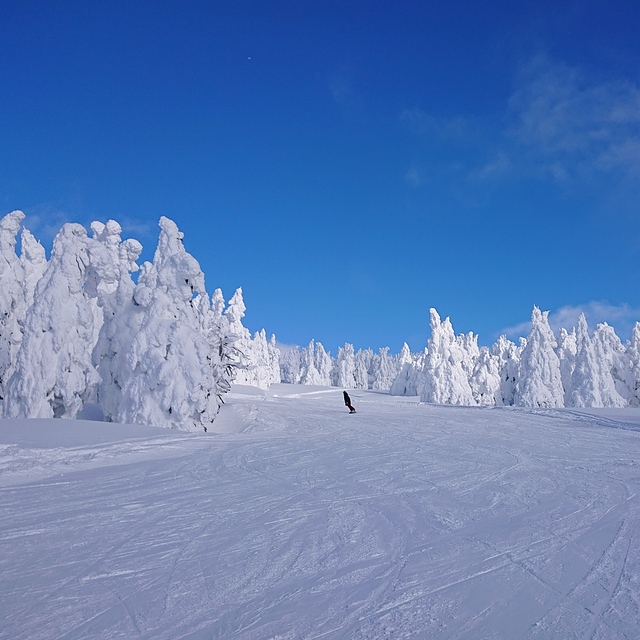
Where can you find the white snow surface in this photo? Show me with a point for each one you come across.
(295, 519)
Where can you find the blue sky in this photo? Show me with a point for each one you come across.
(349, 164)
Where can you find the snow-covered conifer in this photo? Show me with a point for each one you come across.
(290, 365)
(264, 368)
(111, 263)
(611, 363)
(446, 378)
(12, 297)
(508, 357)
(585, 388)
(53, 369)
(409, 377)
(225, 357)
(273, 355)
(344, 374)
(539, 382)
(485, 379)
(170, 381)
(234, 314)
(385, 372)
(34, 263)
(631, 369)
(308, 372)
(259, 363)
(469, 351)
(566, 351)
(362, 362)
(324, 364)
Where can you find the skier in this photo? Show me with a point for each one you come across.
(347, 402)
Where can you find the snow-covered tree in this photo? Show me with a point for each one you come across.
(385, 371)
(362, 362)
(273, 354)
(446, 376)
(508, 357)
(585, 387)
(291, 365)
(308, 372)
(539, 383)
(111, 263)
(630, 372)
(53, 370)
(169, 379)
(264, 368)
(485, 379)
(344, 373)
(12, 296)
(410, 378)
(566, 351)
(34, 263)
(260, 363)
(611, 363)
(224, 355)
(323, 364)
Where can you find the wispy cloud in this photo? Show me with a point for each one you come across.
(496, 167)
(426, 124)
(414, 177)
(571, 125)
(45, 220)
(557, 123)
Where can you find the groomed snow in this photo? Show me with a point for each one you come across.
(297, 520)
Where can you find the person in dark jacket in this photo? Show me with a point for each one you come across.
(347, 402)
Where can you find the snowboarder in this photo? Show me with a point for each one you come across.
(347, 402)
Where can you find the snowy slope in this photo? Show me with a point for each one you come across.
(298, 520)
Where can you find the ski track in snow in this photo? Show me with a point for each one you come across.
(297, 520)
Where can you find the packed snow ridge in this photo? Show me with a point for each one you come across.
(78, 333)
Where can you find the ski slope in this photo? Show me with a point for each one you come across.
(296, 520)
